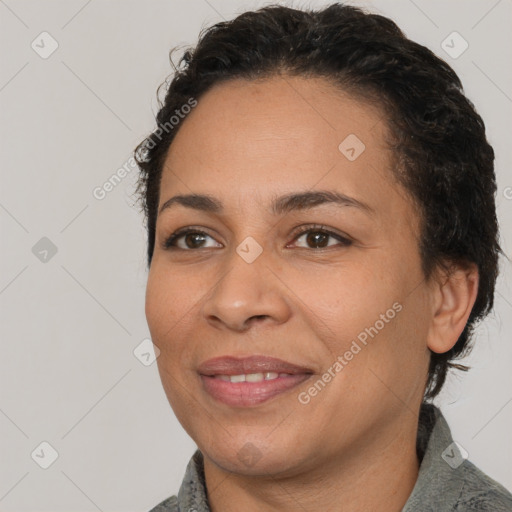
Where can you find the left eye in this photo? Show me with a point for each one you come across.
(319, 236)
(313, 236)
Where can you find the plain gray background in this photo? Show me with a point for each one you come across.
(72, 304)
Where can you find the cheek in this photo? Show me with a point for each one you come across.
(168, 313)
(350, 296)
(370, 303)
(164, 307)
(168, 298)
(395, 357)
(171, 306)
(156, 305)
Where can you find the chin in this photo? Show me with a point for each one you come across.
(253, 455)
(249, 458)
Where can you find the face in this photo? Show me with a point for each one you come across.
(334, 288)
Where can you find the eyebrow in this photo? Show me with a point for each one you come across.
(279, 206)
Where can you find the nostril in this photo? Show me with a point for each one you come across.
(257, 317)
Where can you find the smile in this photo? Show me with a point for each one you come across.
(251, 377)
(251, 389)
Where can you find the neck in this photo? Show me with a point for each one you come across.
(379, 476)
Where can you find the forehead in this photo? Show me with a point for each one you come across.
(252, 139)
(281, 111)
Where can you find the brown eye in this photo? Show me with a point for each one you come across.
(318, 238)
(193, 239)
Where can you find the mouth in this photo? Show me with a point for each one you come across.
(250, 381)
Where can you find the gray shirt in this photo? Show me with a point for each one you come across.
(446, 482)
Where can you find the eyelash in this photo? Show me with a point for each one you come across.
(169, 243)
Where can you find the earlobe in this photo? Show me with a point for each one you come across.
(454, 298)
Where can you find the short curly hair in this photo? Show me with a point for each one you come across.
(442, 156)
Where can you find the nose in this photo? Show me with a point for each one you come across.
(247, 294)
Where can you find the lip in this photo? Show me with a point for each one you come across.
(230, 365)
(250, 394)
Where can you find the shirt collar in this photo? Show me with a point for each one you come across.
(441, 475)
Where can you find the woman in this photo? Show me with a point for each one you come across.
(322, 238)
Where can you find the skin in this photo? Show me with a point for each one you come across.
(354, 442)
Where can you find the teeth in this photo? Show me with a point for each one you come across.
(251, 377)
(254, 377)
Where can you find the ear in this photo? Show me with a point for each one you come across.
(454, 293)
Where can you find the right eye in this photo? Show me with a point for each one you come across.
(193, 239)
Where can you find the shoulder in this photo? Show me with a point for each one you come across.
(168, 505)
(192, 495)
(447, 481)
(480, 492)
